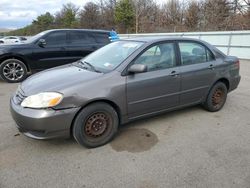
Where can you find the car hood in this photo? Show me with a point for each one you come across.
(14, 45)
(57, 79)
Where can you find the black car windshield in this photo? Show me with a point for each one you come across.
(36, 37)
(112, 55)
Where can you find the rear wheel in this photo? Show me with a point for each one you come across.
(95, 125)
(13, 70)
(216, 97)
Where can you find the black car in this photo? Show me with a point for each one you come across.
(49, 49)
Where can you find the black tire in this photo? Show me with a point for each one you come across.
(216, 97)
(95, 125)
(13, 70)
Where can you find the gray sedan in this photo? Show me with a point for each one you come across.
(123, 81)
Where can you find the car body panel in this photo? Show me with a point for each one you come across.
(145, 96)
(196, 81)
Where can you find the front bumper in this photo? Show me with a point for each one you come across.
(43, 123)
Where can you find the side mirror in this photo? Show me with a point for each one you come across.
(42, 42)
(137, 68)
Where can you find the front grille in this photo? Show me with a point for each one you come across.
(19, 96)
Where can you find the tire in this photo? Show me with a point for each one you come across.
(216, 97)
(95, 125)
(13, 70)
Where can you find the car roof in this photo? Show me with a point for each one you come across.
(10, 36)
(87, 30)
(159, 39)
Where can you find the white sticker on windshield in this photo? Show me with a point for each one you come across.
(129, 45)
(108, 65)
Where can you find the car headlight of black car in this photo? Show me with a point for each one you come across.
(1, 51)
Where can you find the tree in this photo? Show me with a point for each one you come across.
(43, 22)
(147, 16)
(67, 16)
(216, 14)
(124, 14)
(192, 16)
(173, 15)
(90, 16)
(107, 11)
(143, 12)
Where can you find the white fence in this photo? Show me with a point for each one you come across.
(236, 43)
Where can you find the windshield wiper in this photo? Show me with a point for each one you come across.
(90, 65)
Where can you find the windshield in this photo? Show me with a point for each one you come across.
(37, 36)
(112, 55)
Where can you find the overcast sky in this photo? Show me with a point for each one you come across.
(19, 13)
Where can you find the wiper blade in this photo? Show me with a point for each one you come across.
(91, 66)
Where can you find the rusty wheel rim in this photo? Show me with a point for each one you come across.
(97, 124)
(218, 97)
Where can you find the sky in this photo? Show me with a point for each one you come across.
(19, 13)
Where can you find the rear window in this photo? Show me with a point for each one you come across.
(101, 37)
(193, 53)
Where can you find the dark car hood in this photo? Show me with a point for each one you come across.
(15, 45)
(57, 79)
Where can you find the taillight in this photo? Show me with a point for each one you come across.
(238, 64)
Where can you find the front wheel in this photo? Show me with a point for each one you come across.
(216, 97)
(13, 70)
(95, 125)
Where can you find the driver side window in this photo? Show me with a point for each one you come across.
(160, 56)
(56, 38)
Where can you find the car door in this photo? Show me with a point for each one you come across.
(158, 88)
(196, 70)
(53, 53)
(80, 44)
(7, 40)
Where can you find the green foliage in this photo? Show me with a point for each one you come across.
(44, 21)
(67, 17)
(124, 13)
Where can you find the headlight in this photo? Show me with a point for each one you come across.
(1, 51)
(42, 100)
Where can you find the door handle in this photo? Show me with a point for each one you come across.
(211, 67)
(174, 74)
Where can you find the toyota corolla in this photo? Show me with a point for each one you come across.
(123, 81)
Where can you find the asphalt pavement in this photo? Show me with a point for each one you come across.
(185, 148)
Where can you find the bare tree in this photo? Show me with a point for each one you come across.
(90, 16)
(215, 14)
(107, 9)
(143, 9)
(173, 15)
(148, 16)
(192, 16)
